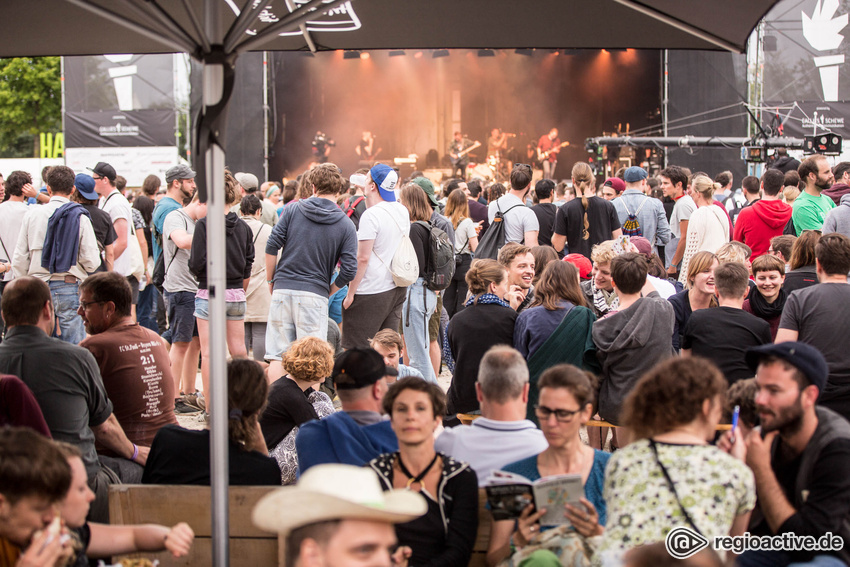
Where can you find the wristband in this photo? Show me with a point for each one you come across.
(135, 452)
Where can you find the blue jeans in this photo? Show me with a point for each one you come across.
(419, 305)
(782, 559)
(66, 302)
(146, 308)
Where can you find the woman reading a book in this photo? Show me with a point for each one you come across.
(445, 535)
(565, 404)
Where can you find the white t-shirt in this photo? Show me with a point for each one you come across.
(11, 218)
(518, 221)
(384, 223)
(682, 210)
(464, 231)
(119, 208)
(664, 288)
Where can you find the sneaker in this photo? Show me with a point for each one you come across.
(204, 418)
(180, 406)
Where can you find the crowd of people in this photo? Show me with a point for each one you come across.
(673, 343)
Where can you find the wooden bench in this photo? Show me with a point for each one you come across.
(249, 546)
(169, 505)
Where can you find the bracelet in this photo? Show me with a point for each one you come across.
(270, 281)
(135, 452)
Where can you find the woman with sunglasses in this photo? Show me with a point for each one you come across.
(565, 405)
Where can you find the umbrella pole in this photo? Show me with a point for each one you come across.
(216, 94)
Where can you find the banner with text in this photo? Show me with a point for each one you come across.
(806, 73)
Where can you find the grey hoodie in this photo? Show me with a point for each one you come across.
(628, 343)
(838, 219)
(314, 235)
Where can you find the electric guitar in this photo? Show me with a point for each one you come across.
(542, 156)
(372, 157)
(458, 156)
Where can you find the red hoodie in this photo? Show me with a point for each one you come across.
(760, 222)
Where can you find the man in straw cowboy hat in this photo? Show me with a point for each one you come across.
(337, 516)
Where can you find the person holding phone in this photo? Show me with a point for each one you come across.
(565, 405)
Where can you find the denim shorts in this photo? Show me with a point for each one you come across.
(293, 315)
(235, 310)
(181, 316)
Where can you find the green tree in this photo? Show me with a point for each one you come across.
(30, 102)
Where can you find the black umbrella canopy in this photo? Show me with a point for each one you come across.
(85, 27)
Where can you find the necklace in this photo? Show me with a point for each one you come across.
(418, 478)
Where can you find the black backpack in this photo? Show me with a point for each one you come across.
(495, 237)
(439, 258)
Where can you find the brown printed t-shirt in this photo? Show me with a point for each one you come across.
(136, 372)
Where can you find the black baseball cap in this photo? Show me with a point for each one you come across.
(806, 358)
(103, 169)
(358, 368)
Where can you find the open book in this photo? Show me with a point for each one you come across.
(508, 494)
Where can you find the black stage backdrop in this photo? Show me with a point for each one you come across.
(700, 83)
(244, 137)
(413, 102)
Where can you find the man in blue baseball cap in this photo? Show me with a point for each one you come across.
(799, 457)
(374, 301)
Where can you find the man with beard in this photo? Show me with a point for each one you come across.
(519, 262)
(810, 208)
(799, 457)
(180, 184)
(816, 314)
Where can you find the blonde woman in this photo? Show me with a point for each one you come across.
(466, 241)
(293, 401)
(708, 228)
(585, 221)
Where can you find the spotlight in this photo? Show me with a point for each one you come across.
(526, 52)
(364, 55)
(440, 53)
(486, 53)
(351, 55)
(418, 55)
(397, 53)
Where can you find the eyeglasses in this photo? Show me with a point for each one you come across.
(97, 177)
(84, 305)
(518, 165)
(563, 415)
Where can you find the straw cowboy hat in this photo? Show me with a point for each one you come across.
(335, 492)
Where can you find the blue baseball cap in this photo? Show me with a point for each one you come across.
(386, 179)
(634, 174)
(85, 186)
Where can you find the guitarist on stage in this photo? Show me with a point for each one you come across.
(548, 148)
(366, 149)
(459, 158)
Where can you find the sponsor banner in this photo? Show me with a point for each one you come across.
(806, 72)
(123, 129)
(134, 164)
(119, 82)
(800, 120)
